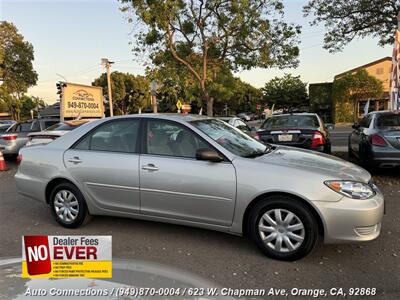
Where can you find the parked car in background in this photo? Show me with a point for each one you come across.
(17, 135)
(375, 141)
(303, 130)
(53, 132)
(239, 124)
(244, 116)
(5, 124)
(199, 171)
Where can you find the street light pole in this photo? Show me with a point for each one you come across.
(107, 64)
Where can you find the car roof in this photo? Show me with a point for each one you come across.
(295, 114)
(384, 112)
(166, 116)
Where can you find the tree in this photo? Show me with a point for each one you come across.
(348, 19)
(16, 67)
(351, 88)
(205, 36)
(286, 92)
(130, 93)
(29, 103)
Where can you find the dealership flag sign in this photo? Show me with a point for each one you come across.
(394, 103)
(66, 256)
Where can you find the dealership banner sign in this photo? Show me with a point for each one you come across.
(66, 256)
(81, 101)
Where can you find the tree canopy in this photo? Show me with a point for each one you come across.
(205, 36)
(286, 92)
(348, 19)
(16, 69)
(130, 93)
(351, 88)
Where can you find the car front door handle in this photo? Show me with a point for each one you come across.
(150, 167)
(75, 160)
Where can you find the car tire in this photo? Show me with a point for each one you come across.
(68, 206)
(301, 241)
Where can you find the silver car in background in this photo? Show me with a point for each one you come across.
(375, 141)
(53, 132)
(16, 136)
(202, 172)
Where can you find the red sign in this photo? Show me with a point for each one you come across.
(37, 254)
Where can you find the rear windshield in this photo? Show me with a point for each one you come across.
(389, 121)
(291, 121)
(63, 126)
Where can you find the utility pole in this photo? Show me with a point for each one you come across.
(107, 64)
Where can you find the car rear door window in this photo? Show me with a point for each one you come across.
(172, 139)
(114, 136)
(389, 121)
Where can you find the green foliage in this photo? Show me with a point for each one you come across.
(29, 103)
(176, 84)
(16, 69)
(349, 19)
(320, 95)
(129, 92)
(351, 88)
(286, 92)
(207, 36)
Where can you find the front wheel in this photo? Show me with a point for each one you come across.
(283, 228)
(68, 205)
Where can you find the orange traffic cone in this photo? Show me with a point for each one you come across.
(3, 165)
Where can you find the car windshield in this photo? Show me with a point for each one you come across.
(231, 138)
(389, 121)
(290, 121)
(63, 126)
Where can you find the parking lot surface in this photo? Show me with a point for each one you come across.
(229, 261)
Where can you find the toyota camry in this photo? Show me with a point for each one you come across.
(202, 172)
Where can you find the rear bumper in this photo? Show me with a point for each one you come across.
(349, 220)
(385, 156)
(9, 149)
(31, 187)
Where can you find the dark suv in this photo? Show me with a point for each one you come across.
(303, 130)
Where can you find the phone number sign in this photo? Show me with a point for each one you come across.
(81, 101)
(66, 256)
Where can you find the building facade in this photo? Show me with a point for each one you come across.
(321, 100)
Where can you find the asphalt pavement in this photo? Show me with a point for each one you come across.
(229, 261)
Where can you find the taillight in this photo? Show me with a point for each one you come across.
(9, 137)
(317, 140)
(377, 140)
(257, 136)
(19, 158)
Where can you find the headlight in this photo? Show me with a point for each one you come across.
(351, 189)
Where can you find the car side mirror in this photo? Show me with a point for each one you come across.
(330, 126)
(355, 126)
(209, 155)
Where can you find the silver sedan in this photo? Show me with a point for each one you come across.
(202, 172)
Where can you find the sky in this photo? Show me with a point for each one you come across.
(71, 37)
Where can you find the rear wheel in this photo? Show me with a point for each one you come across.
(283, 228)
(68, 205)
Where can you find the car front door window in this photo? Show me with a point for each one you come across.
(171, 139)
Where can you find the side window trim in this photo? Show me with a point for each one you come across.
(138, 140)
(144, 150)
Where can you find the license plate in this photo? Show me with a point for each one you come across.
(285, 137)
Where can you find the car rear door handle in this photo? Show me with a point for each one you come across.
(75, 160)
(150, 167)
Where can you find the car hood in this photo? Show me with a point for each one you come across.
(315, 162)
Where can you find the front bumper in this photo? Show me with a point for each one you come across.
(350, 220)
